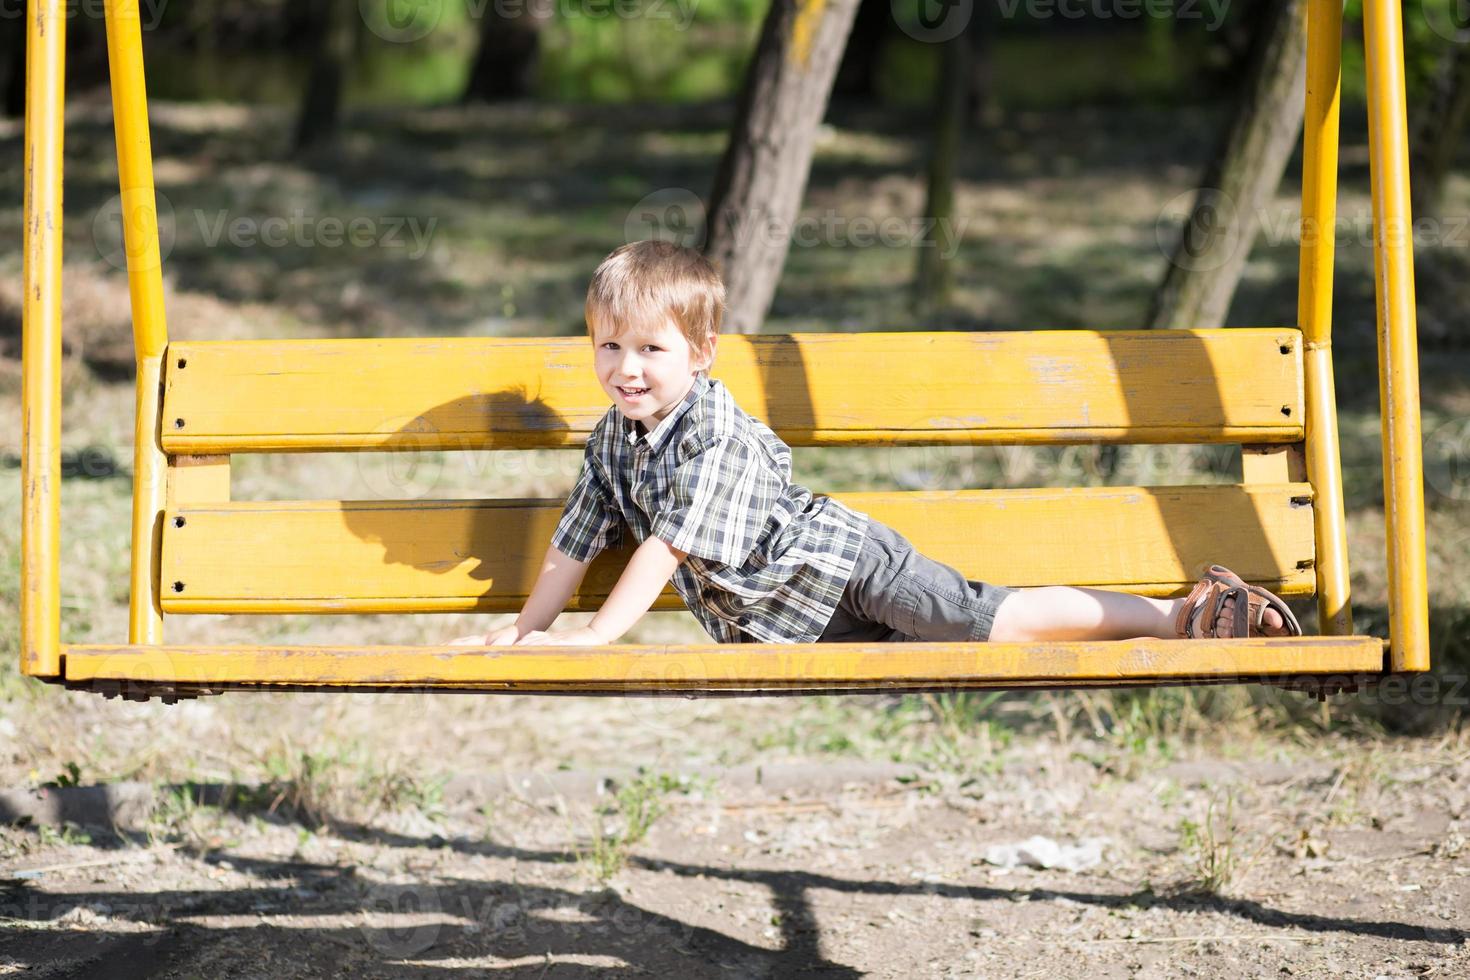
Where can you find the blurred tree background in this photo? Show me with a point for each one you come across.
(436, 51)
(327, 57)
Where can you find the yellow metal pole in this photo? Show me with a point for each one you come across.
(1314, 312)
(40, 521)
(145, 288)
(1398, 355)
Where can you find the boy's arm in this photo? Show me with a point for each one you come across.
(560, 575)
(648, 571)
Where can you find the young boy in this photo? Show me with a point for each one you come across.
(706, 491)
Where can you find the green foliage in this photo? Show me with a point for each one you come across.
(320, 786)
(955, 731)
(663, 52)
(67, 835)
(1432, 29)
(1214, 847)
(70, 775)
(180, 814)
(967, 735)
(9, 603)
(624, 821)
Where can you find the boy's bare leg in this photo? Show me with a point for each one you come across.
(1061, 612)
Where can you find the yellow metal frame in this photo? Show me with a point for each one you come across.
(701, 667)
(40, 468)
(1398, 349)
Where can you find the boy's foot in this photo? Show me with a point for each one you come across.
(1271, 621)
(1224, 606)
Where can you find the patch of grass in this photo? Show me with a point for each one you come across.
(70, 775)
(180, 813)
(1215, 848)
(16, 837)
(10, 678)
(1158, 722)
(1144, 722)
(621, 824)
(321, 786)
(959, 731)
(389, 788)
(1357, 775)
(967, 733)
(68, 835)
(305, 784)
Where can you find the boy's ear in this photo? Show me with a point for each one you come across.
(708, 356)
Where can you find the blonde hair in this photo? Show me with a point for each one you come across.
(642, 282)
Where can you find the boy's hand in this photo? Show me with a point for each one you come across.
(502, 637)
(583, 636)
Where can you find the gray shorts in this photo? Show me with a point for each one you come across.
(896, 594)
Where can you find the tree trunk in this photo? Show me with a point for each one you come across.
(985, 109)
(762, 177)
(1438, 130)
(509, 53)
(934, 279)
(1235, 43)
(1207, 262)
(331, 47)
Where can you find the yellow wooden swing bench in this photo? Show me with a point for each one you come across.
(195, 550)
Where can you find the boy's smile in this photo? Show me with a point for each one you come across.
(647, 371)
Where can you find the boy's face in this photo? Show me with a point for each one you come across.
(647, 371)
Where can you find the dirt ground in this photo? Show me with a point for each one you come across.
(1275, 859)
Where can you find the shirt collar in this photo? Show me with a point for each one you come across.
(660, 434)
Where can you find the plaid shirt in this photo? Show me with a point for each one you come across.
(766, 557)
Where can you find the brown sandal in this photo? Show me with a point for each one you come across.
(1203, 614)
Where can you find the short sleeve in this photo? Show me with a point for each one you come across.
(719, 500)
(590, 522)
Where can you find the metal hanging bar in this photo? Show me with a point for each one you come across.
(1314, 312)
(145, 289)
(40, 522)
(1398, 355)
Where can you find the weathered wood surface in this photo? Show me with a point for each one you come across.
(1238, 385)
(454, 555)
(712, 667)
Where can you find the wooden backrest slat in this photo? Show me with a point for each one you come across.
(1073, 386)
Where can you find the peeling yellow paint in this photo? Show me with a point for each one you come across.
(714, 667)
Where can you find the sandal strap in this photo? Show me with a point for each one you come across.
(1203, 614)
(1184, 622)
(1260, 600)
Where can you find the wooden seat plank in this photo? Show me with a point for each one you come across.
(448, 555)
(716, 667)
